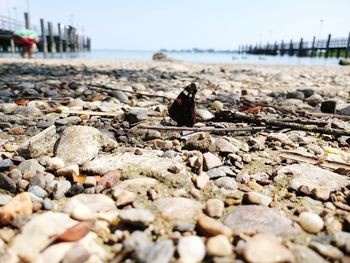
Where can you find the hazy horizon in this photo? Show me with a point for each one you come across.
(156, 24)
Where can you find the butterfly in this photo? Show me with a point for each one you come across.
(183, 109)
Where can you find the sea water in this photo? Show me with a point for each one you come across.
(190, 57)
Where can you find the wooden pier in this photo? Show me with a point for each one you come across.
(330, 47)
(53, 38)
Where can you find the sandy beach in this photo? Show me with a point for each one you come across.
(83, 180)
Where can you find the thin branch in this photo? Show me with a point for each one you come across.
(230, 116)
(203, 129)
(95, 113)
(104, 87)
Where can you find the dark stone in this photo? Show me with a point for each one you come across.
(159, 56)
(296, 95)
(7, 183)
(345, 111)
(136, 115)
(328, 106)
(5, 164)
(307, 92)
(74, 190)
(344, 62)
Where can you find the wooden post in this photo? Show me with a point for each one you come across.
(282, 48)
(43, 35)
(27, 20)
(66, 39)
(89, 44)
(300, 51)
(327, 46)
(60, 45)
(347, 47)
(291, 52)
(13, 48)
(313, 47)
(52, 41)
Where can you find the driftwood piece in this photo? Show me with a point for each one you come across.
(342, 168)
(104, 87)
(203, 129)
(95, 113)
(231, 116)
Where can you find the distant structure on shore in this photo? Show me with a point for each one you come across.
(65, 39)
(198, 50)
(337, 47)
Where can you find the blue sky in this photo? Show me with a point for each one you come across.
(219, 24)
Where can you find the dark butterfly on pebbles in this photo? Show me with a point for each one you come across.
(183, 109)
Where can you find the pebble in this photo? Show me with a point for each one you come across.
(199, 141)
(110, 179)
(221, 171)
(191, 249)
(217, 105)
(120, 95)
(214, 207)
(137, 216)
(55, 163)
(178, 208)
(136, 115)
(5, 164)
(219, 246)
(30, 166)
(161, 252)
(38, 191)
(202, 180)
(78, 144)
(266, 248)
(327, 250)
(211, 161)
(257, 219)
(311, 222)
(61, 187)
(223, 146)
(314, 99)
(321, 193)
(69, 171)
(328, 106)
(20, 205)
(75, 190)
(258, 198)
(204, 114)
(212, 227)
(41, 144)
(7, 183)
(125, 197)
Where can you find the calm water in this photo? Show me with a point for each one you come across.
(221, 58)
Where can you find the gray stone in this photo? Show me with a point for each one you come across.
(220, 172)
(139, 243)
(304, 254)
(296, 95)
(345, 111)
(120, 95)
(314, 99)
(5, 164)
(30, 166)
(78, 144)
(259, 219)
(95, 203)
(310, 176)
(29, 111)
(179, 208)
(136, 115)
(184, 226)
(223, 146)
(39, 180)
(41, 144)
(161, 252)
(4, 199)
(149, 163)
(61, 188)
(226, 182)
(211, 161)
(137, 216)
(7, 183)
(71, 120)
(38, 191)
